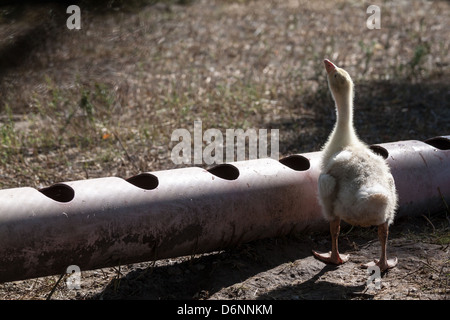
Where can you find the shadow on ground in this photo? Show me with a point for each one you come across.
(385, 111)
(283, 268)
(201, 277)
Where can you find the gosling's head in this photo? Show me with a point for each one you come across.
(339, 80)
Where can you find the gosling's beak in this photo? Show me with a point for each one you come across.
(329, 66)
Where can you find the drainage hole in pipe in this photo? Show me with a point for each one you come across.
(380, 151)
(440, 143)
(59, 192)
(144, 181)
(225, 171)
(296, 162)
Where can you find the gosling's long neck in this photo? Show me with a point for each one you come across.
(343, 133)
(344, 114)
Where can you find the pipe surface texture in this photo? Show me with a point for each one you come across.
(109, 221)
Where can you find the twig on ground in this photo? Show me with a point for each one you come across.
(55, 286)
(124, 149)
(434, 229)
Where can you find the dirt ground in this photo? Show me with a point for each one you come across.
(103, 101)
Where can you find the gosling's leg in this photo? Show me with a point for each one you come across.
(383, 263)
(333, 257)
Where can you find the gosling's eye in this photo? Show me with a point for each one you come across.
(335, 75)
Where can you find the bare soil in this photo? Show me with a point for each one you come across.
(103, 101)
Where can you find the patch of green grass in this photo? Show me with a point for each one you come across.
(9, 140)
(64, 124)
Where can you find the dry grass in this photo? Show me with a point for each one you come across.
(138, 73)
(103, 101)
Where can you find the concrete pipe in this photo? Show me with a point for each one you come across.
(109, 221)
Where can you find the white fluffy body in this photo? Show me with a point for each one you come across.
(355, 184)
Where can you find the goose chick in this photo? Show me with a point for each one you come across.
(355, 184)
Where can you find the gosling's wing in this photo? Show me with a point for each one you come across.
(327, 185)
